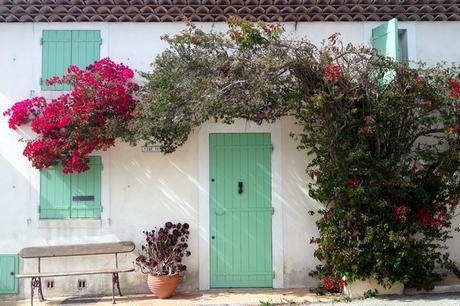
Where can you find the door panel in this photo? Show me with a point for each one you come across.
(241, 210)
(9, 265)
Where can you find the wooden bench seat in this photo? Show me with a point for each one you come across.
(74, 250)
(57, 274)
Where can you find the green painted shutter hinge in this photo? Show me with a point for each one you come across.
(102, 208)
(41, 41)
(273, 274)
(40, 81)
(273, 210)
(273, 147)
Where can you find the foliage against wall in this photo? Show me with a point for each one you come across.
(383, 136)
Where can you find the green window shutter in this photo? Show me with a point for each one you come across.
(76, 195)
(86, 191)
(64, 48)
(54, 193)
(9, 267)
(56, 56)
(385, 38)
(85, 47)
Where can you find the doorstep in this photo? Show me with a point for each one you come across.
(237, 297)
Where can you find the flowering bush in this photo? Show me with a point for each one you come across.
(383, 136)
(328, 282)
(88, 118)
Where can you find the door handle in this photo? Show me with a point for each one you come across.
(240, 187)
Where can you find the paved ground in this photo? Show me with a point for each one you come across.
(440, 299)
(211, 297)
(254, 297)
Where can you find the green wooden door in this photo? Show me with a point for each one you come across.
(9, 266)
(240, 210)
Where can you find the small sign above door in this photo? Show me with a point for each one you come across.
(150, 149)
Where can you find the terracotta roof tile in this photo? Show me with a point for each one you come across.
(220, 10)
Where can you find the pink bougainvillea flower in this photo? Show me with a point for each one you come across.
(332, 72)
(270, 27)
(22, 112)
(128, 73)
(369, 118)
(420, 78)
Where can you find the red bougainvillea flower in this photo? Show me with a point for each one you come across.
(414, 167)
(453, 129)
(332, 72)
(455, 91)
(352, 182)
(128, 73)
(430, 219)
(328, 284)
(21, 112)
(401, 212)
(342, 283)
(369, 118)
(90, 117)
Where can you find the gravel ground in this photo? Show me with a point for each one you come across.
(440, 299)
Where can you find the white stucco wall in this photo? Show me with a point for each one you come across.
(143, 190)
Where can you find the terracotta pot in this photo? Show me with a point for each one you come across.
(163, 286)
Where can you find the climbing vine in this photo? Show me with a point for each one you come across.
(383, 137)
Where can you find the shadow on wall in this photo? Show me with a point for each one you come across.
(299, 225)
(149, 189)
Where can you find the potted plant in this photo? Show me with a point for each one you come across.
(161, 257)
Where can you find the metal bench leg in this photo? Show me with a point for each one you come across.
(40, 291)
(118, 286)
(115, 282)
(32, 289)
(36, 282)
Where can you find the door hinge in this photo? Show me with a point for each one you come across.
(273, 147)
(40, 81)
(102, 208)
(273, 274)
(273, 210)
(41, 41)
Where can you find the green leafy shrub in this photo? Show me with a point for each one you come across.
(383, 136)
